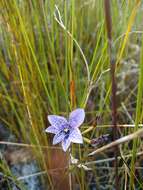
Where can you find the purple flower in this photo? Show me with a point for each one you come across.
(66, 130)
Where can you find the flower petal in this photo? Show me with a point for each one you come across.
(76, 136)
(52, 129)
(76, 117)
(58, 138)
(57, 121)
(65, 144)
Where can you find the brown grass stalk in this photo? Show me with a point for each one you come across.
(108, 22)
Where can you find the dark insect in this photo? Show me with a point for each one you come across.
(99, 141)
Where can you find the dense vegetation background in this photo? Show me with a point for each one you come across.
(54, 57)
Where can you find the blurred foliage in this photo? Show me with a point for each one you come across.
(55, 59)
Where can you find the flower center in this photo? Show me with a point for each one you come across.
(66, 130)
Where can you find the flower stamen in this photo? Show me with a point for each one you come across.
(66, 130)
